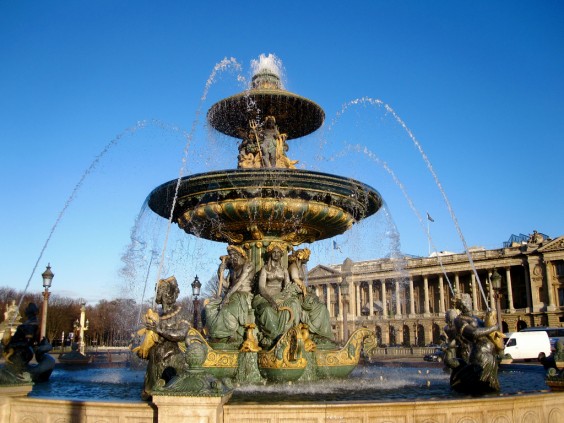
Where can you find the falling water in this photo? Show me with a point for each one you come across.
(87, 172)
(388, 109)
(400, 185)
(219, 67)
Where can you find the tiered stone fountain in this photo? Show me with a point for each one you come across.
(264, 323)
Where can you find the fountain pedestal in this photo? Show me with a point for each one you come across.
(7, 393)
(190, 409)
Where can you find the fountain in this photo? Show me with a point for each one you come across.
(264, 209)
(265, 326)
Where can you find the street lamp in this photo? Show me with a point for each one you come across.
(345, 300)
(496, 286)
(196, 285)
(81, 326)
(47, 280)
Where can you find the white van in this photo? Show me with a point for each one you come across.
(554, 334)
(527, 345)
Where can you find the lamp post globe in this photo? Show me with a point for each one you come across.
(196, 286)
(47, 276)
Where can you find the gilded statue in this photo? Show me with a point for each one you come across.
(263, 146)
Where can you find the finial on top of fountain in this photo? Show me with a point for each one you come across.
(267, 73)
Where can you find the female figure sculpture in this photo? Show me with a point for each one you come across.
(314, 313)
(226, 318)
(277, 306)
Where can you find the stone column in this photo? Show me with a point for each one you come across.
(384, 301)
(426, 311)
(549, 287)
(528, 289)
(457, 282)
(340, 301)
(385, 333)
(411, 298)
(371, 298)
(441, 295)
(509, 290)
(399, 333)
(398, 301)
(329, 305)
(358, 305)
(474, 293)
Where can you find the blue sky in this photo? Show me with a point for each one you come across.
(479, 84)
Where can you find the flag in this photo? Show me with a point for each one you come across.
(429, 217)
(335, 246)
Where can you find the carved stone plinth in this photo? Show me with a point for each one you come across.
(173, 409)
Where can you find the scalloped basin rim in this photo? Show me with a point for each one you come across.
(208, 187)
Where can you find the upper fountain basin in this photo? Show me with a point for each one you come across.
(295, 116)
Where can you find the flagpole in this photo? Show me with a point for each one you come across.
(429, 220)
(429, 236)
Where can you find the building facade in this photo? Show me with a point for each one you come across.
(404, 299)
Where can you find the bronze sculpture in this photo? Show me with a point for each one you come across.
(227, 317)
(473, 351)
(163, 333)
(20, 349)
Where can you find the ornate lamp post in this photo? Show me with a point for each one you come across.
(496, 286)
(345, 300)
(81, 326)
(196, 285)
(47, 280)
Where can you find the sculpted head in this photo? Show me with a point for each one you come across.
(463, 302)
(302, 254)
(450, 315)
(236, 254)
(167, 291)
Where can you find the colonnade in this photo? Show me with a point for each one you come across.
(410, 297)
(416, 298)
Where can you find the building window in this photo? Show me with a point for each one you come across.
(561, 297)
(559, 265)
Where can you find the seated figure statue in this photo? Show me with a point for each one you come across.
(227, 317)
(277, 305)
(163, 332)
(314, 313)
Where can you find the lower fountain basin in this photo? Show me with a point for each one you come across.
(375, 383)
(371, 393)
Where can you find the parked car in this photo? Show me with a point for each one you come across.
(437, 356)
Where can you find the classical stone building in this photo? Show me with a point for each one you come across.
(404, 299)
